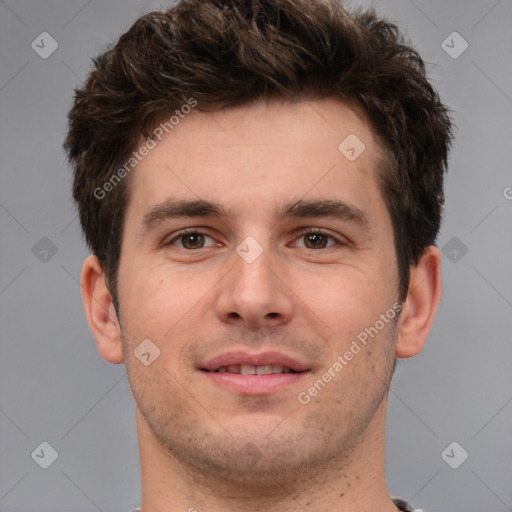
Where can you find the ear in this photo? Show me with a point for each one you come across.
(100, 312)
(423, 298)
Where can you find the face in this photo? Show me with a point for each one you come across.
(258, 258)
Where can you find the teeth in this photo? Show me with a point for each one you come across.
(248, 369)
(264, 370)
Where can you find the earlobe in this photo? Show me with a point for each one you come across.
(100, 311)
(420, 307)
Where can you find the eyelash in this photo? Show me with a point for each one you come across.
(302, 233)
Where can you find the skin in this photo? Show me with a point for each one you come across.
(306, 301)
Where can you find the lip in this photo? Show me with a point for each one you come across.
(254, 384)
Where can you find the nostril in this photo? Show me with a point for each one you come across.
(272, 315)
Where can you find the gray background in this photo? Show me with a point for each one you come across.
(54, 386)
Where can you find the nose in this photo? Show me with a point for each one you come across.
(254, 294)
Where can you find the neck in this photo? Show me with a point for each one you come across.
(349, 482)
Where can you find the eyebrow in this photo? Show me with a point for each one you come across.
(325, 208)
(179, 208)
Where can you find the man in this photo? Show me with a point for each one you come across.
(260, 183)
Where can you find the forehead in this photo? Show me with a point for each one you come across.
(256, 157)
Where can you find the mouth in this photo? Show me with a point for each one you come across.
(247, 369)
(246, 373)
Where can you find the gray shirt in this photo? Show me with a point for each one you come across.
(399, 502)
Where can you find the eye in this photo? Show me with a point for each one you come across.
(191, 239)
(317, 239)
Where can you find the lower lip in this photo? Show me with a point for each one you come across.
(254, 384)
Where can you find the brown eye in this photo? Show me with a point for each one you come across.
(192, 241)
(315, 240)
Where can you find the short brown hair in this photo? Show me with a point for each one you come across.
(226, 53)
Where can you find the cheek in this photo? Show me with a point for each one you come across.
(346, 304)
(344, 296)
(162, 301)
